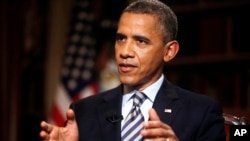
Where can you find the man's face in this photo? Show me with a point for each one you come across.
(139, 50)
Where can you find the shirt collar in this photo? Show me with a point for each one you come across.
(150, 91)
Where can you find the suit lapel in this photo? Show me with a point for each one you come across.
(167, 102)
(108, 114)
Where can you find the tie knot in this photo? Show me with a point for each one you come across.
(139, 98)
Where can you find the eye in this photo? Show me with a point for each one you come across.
(142, 40)
(120, 37)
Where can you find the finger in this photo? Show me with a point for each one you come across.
(44, 135)
(155, 129)
(158, 139)
(46, 127)
(158, 131)
(153, 115)
(154, 124)
(154, 120)
(70, 116)
(158, 134)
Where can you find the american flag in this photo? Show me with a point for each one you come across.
(77, 76)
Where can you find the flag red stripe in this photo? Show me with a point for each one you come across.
(57, 116)
(94, 87)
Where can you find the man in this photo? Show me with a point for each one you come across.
(145, 41)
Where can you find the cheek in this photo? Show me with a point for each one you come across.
(152, 56)
(152, 60)
(147, 61)
(116, 53)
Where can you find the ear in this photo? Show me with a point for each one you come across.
(171, 49)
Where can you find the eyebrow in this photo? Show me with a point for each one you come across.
(120, 35)
(136, 37)
(139, 37)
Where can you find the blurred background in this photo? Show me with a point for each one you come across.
(56, 52)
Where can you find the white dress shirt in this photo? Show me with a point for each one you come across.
(151, 91)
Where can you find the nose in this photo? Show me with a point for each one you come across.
(126, 50)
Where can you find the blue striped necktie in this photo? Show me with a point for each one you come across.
(133, 123)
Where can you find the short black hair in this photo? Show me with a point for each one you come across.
(168, 22)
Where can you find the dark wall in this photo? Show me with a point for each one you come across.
(214, 54)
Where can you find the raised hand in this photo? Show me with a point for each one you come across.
(156, 130)
(51, 132)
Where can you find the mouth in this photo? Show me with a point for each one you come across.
(126, 67)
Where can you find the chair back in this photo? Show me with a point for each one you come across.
(232, 120)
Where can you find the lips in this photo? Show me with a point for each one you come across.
(126, 67)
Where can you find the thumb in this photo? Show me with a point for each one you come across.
(153, 115)
(70, 117)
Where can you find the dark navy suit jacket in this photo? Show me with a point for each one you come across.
(193, 117)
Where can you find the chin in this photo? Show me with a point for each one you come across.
(128, 80)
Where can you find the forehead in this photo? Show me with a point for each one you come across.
(134, 22)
